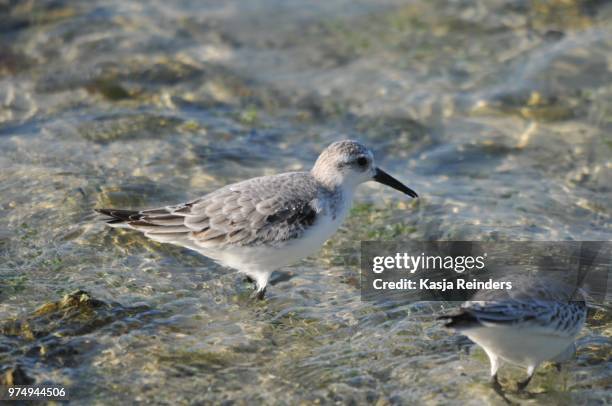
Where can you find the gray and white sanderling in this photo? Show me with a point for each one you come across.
(262, 224)
(538, 320)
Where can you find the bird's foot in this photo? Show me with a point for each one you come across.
(522, 392)
(499, 389)
(259, 294)
(564, 376)
(522, 385)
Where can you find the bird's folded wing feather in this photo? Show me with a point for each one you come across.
(555, 317)
(267, 210)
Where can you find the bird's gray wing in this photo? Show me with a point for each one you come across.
(264, 210)
(558, 318)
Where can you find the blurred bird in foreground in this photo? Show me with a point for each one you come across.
(538, 320)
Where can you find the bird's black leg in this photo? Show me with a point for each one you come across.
(496, 385)
(521, 385)
(498, 388)
(259, 294)
(261, 281)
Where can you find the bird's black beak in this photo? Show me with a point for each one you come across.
(383, 177)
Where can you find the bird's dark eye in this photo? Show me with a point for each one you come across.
(362, 161)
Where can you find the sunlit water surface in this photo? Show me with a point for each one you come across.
(498, 113)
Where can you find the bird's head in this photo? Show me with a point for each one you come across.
(349, 163)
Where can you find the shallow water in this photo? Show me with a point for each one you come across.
(498, 113)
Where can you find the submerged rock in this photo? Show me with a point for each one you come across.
(75, 314)
(77, 299)
(15, 376)
(108, 88)
(106, 129)
(54, 334)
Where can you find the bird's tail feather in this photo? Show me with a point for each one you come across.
(151, 222)
(121, 215)
(120, 218)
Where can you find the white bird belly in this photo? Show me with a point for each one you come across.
(519, 346)
(270, 257)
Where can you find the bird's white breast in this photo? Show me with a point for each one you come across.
(519, 345)
(326, 225)
(331, 214)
